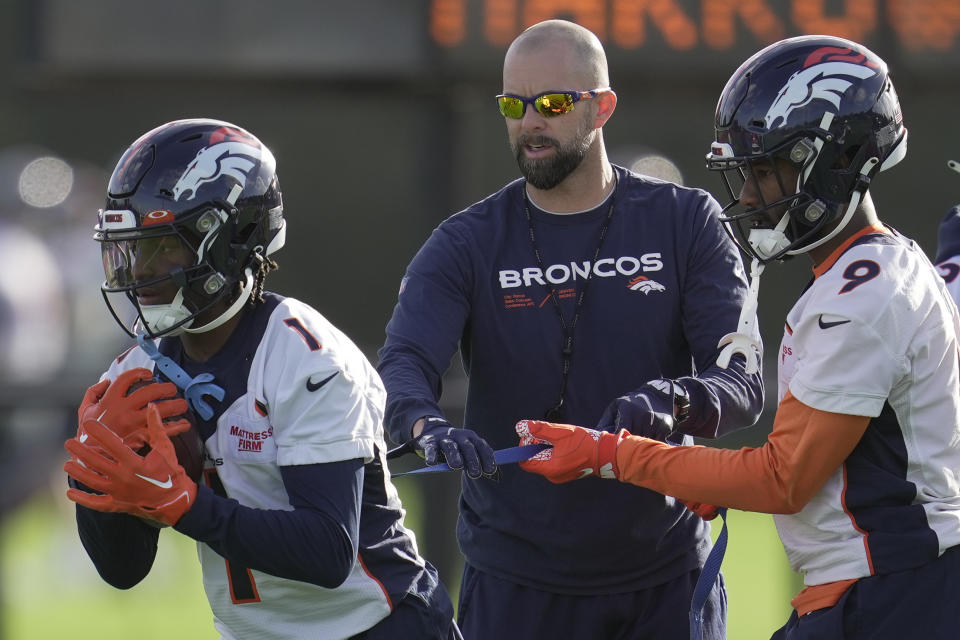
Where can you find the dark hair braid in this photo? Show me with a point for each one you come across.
(266, 265)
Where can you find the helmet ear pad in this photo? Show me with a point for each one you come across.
(838, 166)
(249, 233)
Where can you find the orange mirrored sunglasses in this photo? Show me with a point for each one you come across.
(548, 104)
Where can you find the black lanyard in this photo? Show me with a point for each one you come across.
(553, 414)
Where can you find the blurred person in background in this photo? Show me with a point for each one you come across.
(862, 464)
(300, 531)
(948, 246)
(586, 293)
(34, 341)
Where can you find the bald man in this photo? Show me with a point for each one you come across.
(580, 293)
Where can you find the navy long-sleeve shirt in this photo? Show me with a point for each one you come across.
(667, 286)
(320, 534)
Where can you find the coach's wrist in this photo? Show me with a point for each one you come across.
(417, 429)
(681, 403)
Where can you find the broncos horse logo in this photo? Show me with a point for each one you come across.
(231, 158)
(822, 78)
(645, 285)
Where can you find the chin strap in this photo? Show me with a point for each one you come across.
(745, 340)
(160, 317)
(855, 198)
(232, 310)
(767, 243)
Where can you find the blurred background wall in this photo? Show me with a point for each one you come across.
(382, 119)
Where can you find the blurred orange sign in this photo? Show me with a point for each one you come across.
(918, 25)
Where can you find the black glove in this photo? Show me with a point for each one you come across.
(652, 411)
(460, 448)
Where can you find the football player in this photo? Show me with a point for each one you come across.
(948, 246)
(299, 529)
(862, 464)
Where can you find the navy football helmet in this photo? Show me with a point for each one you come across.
(194, 207)
(828, 106)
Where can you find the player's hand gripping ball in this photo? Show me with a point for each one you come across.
(121, 407)
(153, 487)
(186, 439)
(113, 404)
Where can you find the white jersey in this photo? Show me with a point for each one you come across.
(948, 252)
(309, 396)
(876, 335)
(949, 270)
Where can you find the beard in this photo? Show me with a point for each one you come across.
(547, 173)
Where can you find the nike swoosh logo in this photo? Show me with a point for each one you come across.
(827, 325)
(177, 499)
(154, 481)
(313, 386)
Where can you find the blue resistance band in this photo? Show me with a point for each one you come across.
(502, 456)
(193, 388)
(711, 569)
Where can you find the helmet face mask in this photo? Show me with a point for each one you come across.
(823, 106)
(193, 209)
(150, 267)
(778, 203)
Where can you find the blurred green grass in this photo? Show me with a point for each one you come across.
(51, 590)
(760, 582)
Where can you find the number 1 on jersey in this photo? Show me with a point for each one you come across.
(243, 588)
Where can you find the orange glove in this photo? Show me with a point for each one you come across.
(108, 403)
(577, 452)
(154, 486)
(705, 511)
